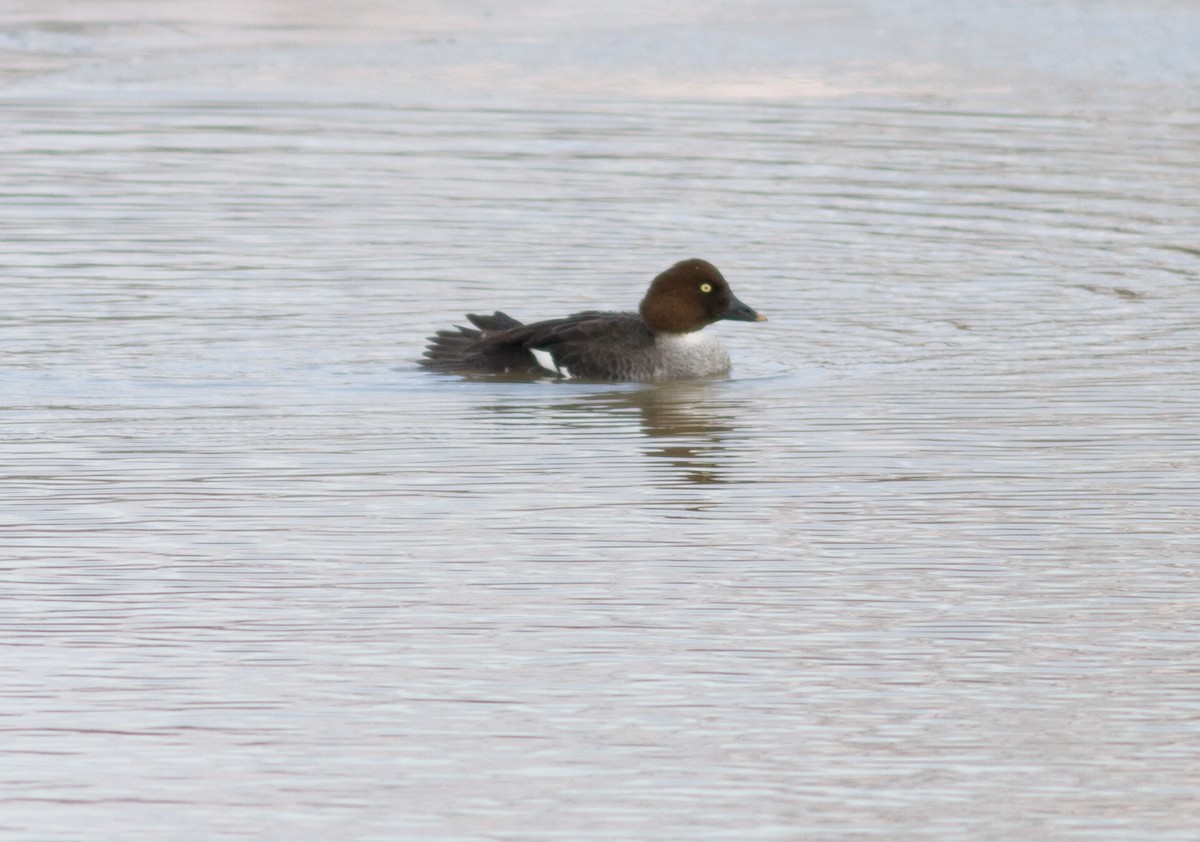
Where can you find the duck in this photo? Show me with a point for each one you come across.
(661, 341)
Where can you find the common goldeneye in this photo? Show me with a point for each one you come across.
(660, 341)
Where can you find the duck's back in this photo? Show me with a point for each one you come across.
(596, 345)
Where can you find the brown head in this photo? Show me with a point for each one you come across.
(689, 296)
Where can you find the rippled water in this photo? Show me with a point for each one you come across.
(924, 567)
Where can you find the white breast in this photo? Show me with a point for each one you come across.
(693, 354)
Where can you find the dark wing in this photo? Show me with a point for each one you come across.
(594, 345)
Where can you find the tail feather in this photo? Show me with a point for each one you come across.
(465, 350)
(496, 321)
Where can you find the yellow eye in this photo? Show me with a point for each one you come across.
(706, 287)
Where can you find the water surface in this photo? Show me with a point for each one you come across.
(923, 567)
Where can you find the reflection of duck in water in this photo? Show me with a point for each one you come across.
(660, 342)
(686, 424)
